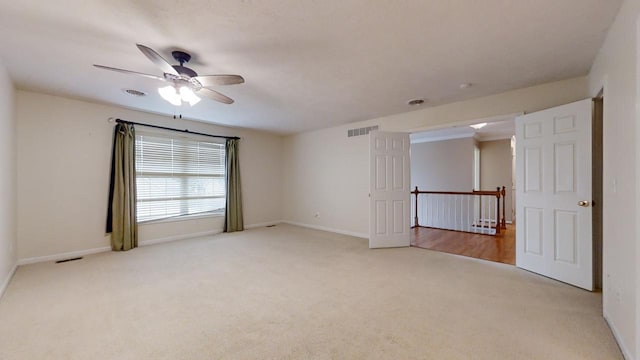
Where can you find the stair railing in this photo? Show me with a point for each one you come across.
(475, 211)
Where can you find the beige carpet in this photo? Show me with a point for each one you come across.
(293, 293)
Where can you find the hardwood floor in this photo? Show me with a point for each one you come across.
(500, 248)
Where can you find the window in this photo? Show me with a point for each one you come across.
(178, 176)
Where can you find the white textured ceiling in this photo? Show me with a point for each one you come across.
(308, 64)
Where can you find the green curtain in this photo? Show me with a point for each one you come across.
(124, 234)
(233, 212)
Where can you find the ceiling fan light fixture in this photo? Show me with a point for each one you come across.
(189, 96)
(170, 94)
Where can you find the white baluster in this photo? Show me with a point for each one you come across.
(431, 211)
(469, 213)
(492, 211)
(447, 200)
(458, 212)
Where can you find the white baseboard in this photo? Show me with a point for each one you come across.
(6, 281)
(62, 256)
(268, 223)
(323, 228)
(616, 335)
(74, 254)
(177, 237)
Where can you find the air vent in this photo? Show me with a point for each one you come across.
(361, 131)
(134, 92)
(67, 260)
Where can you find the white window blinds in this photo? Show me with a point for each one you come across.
(178, 176)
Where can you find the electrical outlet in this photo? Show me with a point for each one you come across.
(316, 215)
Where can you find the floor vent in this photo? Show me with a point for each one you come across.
(271, 225)
(67, 260)
(361, 131)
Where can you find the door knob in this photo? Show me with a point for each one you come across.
(583, 203)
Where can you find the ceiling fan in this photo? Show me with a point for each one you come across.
(184, 82)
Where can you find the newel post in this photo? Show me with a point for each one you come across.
(498, 222)
(504, 196)
(415, 218)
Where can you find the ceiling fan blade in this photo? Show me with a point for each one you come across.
(130, 72)
(157, 59)
(212, 94)
(210, 80)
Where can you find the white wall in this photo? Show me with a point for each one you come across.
(8, 235)
(615, 68)
(327, 172)
(443, 165)
(64, 154)
(495, 169)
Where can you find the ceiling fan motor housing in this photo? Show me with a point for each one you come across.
(183, 70)
(182, 57)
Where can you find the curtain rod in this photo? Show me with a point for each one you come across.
(178, 130)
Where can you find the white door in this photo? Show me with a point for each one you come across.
(390, 194)
(553, 200)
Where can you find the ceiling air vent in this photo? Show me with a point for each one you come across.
(361, 131)
(134, 92)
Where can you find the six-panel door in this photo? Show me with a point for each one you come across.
(389, 190)
(553, 182)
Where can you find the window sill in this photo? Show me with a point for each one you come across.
(181, 218)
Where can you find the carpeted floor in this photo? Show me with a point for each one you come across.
(292, 293)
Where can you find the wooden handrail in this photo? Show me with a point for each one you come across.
(473, 192)
(500, 193)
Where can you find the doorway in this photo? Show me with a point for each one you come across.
(452, 166)
(441, 240)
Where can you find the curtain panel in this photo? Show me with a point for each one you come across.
(121, 217)
(233, 210)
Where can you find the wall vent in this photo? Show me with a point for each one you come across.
(361, 131)
(134, 92)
